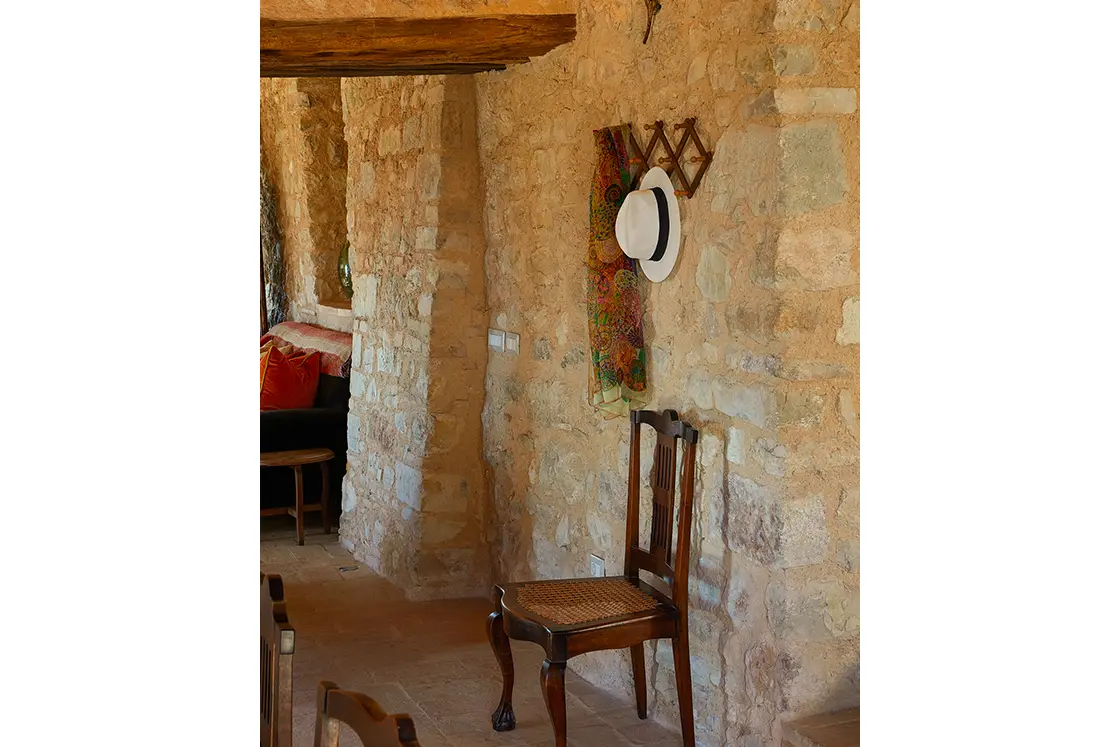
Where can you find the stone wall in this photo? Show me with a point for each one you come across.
(753, 338)
(416, 493)
(304, 156)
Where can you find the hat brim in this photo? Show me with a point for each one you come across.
(659, 270)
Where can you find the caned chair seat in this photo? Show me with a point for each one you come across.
(581, 603)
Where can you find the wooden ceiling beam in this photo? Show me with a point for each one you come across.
(361, 47)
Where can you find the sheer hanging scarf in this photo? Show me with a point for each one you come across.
(617, 357)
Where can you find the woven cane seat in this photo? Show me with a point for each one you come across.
(583, 600)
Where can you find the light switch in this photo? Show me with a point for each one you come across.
(513, 343)
(497, 339)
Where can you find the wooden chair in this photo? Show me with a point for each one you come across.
(361, 713)
(278, 646)
(574, 616)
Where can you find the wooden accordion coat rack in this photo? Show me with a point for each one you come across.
(673, 157)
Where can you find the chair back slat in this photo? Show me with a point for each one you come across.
(278, 645)
(663, 481)
(364, 715)
(660, 559)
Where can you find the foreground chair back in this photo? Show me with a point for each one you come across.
(361, 713)
(278, 646)
(574, 616)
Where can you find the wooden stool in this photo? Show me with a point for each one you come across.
(296, 459)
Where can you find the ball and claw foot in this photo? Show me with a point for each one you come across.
(502, 719)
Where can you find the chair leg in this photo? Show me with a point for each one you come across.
(683, 668)
(325, 500)
(638, 659)
(552, 685)
(502, 718)
(299, 503)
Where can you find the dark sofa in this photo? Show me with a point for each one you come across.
(306, 428)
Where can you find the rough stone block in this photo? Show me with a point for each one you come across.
(353, 433)
(755, 320)
(746, 602)
(770, 455)
(752, 362)
(801, 408)
(798, 313)
(815, 100)
(803, 532)
(811, 370)
(813, 610)
(711, 449)
(815, 259)
(385, 360)
(848, 334)
(357, 383)
(817, 456)
(808, 15)
(699, 388)
(542, 351)
(736, 446)
(356, 352)
(408, 484)
(753, 521)
(811, 170)
(754, 403)
(389, 141)
(713, 275)
(600, 531)
(793, 59)
(426, 239)
(748, 170)
(349, 497)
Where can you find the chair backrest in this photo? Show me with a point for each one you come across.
(663, 479)
(278, 646)
(361, 713)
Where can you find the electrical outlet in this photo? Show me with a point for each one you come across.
(598, 567)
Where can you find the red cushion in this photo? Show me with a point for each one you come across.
(288, 381)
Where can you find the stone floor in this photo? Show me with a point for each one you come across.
(430, 660)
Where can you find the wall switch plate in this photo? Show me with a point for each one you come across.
(513, 343)
(598, 567)
(496, 339)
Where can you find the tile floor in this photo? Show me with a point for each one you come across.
(428, 659)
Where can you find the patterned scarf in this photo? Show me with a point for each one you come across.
(614, 303)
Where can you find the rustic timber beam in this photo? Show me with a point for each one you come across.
(362, 47)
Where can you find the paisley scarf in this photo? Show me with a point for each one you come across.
(614, 304)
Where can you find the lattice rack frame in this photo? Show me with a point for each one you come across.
(671, 162)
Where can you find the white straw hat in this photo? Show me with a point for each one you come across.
(648, 227)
